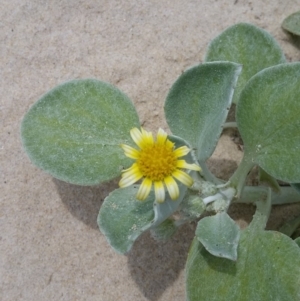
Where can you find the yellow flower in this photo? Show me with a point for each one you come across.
(156, 163)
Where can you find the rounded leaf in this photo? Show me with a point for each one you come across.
(220, 235)
(74, 131)
(248, 45)
(198, 102)
(268, 120)
(292, 23)
(267, 269)
(122, 219)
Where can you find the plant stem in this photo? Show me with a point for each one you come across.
(237, 180)
(287, 195)
(251, 194)
(208, 175)
(263, 209)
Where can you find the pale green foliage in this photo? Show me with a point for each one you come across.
(292, 23)
(267, 269)
(219, 234)
(248, 45)
(268, 120)
(198, 103)
(74, 131)
(122, 219)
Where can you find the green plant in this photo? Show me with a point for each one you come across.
(81, 131)
(292, 23)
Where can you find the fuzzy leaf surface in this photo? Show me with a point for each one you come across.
(267, 269)
(248, 45)
(268, 119)
(219, 234)
(74, 131)
(198, 102)
(122, 219)
(292, 23)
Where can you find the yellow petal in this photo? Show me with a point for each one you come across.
(130, 176)
(181, 151)
(161, 137)
(130, 152)
(147, 138)
(169, 144)
(142, 138)
(159, 191)
(183, 164)
(134, 166)
(136, 136)
(183, 177)
(172, 187)
(144, 189)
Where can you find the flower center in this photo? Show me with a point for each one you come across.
(156, 162)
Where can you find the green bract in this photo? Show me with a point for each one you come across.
(77, 132)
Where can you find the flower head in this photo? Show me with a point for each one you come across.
(157, 163)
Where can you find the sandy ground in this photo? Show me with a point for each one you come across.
(50, 247)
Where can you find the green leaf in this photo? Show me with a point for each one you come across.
(220, 235)
(122, 219)
(292, 23)
(198, 102)
(74, 131)
(247, 45)
(297, 241)
(268, 120)
(267, 269)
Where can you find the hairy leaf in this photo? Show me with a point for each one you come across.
(198, 102)
(74, 131)
(248, 45)
(219, 234)
(268, 119)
